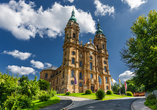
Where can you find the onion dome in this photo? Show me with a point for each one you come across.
(72, 16)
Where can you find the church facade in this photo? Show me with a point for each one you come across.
(84, 66)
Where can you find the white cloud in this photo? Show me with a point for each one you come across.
(134, 3)
(17, 54)
(126, 75)
(21, 70)
(40, 65)
(24, 22)
(37, 64)
(103, 9)
(47, 65)
(71, 1)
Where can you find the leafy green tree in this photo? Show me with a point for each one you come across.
(115, 88)
(44, 85)
(23, 78)
(140, 53)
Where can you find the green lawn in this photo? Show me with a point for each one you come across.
(93, 96)
(38, 105)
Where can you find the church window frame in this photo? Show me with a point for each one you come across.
(80, 64)
(80, 75)
(80, 84)
(73, 61)
(91, 66)
(107, 87)
(91, 57)
(100, 80)
(72, 73)
(74, 35)
(105, 69)
(73, 52)
(72, 82)
(103, 46)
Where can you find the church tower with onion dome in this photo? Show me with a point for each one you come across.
(84, 66)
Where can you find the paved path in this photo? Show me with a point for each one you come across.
(87, 104)
(63, 103)
(139, 105)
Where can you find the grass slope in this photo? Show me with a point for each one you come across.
(38, 105)
(93, 96)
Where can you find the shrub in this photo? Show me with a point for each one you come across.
(52, 92)
(100, 94)
(44, 96)
(43, 84)
(17, 101)
(88, 91)
(150, 97)
(67, 93)
(109, 92)
(129, 93)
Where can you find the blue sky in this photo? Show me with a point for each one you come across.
(32, 31)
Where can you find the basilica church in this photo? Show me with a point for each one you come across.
(84, 66)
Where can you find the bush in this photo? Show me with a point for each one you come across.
(44, 96)
(100, 94)
(17, 101)
(129, 93)
(88, 91)
(150, 97)
(43, 84)
(109, 92)
(67, 93)
(52, 92)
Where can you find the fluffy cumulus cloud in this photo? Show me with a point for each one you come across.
(126, 75)
(24, 22)
(40, 65)
(134, 3)
(103, 9)
(71, 1)
(21, 70)
(19, 55)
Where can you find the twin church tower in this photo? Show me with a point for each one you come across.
(84, 66)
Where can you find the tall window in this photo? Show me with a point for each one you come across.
(91, 75)
(73, 60)
(57, 80)
(73, 35)
(90, 66)
(80, 84)
(54, 82)
(80, 77)
(73, 53)
(106, 80)
(100, 81)
(51, 76)
(97, 46)
(105, 69)
(46, 75)
(72, 82)
(72, 73)
(104, 62)
(103, 46)
(80, 63)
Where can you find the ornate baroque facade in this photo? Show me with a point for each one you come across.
(84, 66)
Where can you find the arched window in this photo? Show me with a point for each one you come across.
(72, 73)
(51, 76)
(90, 66)
(105, 69)
(107, 87)
(106, 80)
(100, 81)
(73, 60)
(103, 46)
(80, 84)
(73, 35)
(46, 75)
(72, 82)
(73, 53)
(80, 63)
(90, 57)
(80, 77)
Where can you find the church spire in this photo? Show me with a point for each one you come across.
(72, 16)
(99, 31)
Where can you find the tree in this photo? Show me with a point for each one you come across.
(43, 84)
(140, 53)
(23, 78)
